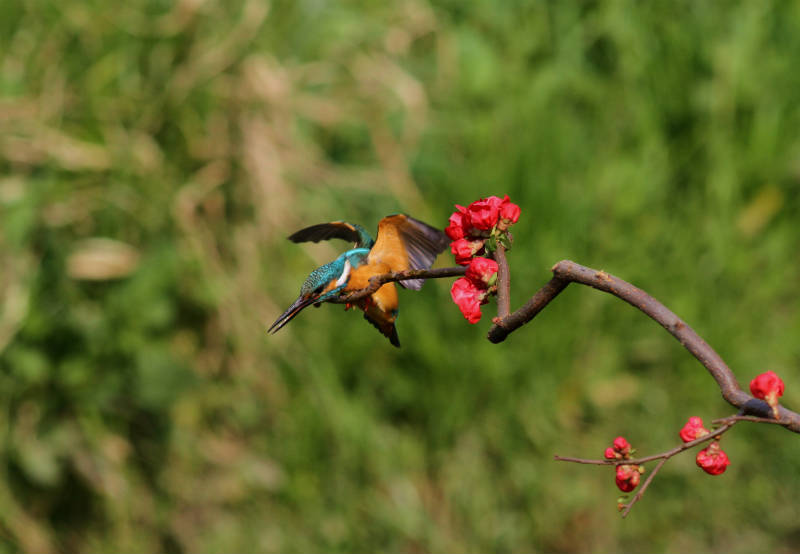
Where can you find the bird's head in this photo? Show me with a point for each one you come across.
(324, 283)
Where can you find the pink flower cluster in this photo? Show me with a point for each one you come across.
(626, 476)
(472, 290)
(711, 459)
(768, 387)
(470, 227)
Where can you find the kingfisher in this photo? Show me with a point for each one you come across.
(403, 243)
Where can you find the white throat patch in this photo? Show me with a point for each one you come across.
(345, 274)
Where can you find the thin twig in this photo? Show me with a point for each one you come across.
(663, 455)
(640, 492)
(754, 419)
(377, 281)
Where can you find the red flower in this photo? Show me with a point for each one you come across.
(481, 271)
(766, 384)
(693, 429)
(481, 216)
(469, 227)
(627, 477)
(464, 250)
(713, 460)
(459, 224)
(469, 298)
(769, 387)
(622, 446)
(483, 213)
(508, 211)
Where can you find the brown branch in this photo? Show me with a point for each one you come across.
(566, 272)
(503, 327)
(377, 281)
(503, 281)
(754, 419)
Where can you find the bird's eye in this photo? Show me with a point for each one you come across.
(318, 290)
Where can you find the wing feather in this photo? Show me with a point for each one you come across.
(334, 230)
(407, 243)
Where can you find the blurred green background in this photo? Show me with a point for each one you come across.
(154, 155)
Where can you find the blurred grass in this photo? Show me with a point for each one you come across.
(146, 410)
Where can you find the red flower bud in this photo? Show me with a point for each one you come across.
(627, 477)
(464, 250)
(468, 298)
(509, 211)
(481, 271)
(459, 224)
(765, 384)
(693, 429)
(610, 454)
(769, 387)
(713, 460)
(622, 446)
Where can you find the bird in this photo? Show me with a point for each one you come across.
(402, 243)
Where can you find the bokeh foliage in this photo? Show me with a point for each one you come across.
(144, 408)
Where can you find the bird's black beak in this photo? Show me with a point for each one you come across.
(290, 312)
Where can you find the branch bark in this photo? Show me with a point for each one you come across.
(566, 271)
(503, 282)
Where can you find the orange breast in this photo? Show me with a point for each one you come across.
(385, 298)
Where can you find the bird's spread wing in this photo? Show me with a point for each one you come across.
(335, 230)
(407, 243)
